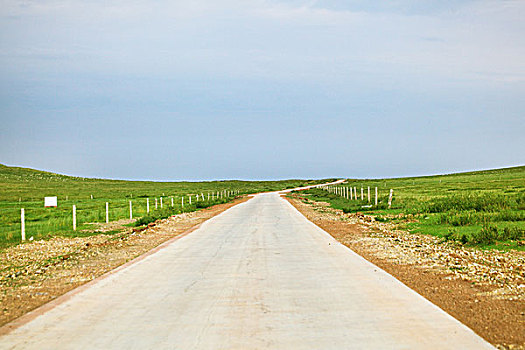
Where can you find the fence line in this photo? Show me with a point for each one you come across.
(350, 192)
(102, 213)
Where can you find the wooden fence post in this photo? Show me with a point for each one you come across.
(23, 223)
(74, 217)
(390, 198)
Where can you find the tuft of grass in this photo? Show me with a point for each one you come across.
(486, 236)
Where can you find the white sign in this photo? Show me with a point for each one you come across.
(50, 202)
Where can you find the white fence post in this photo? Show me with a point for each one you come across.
(390, 198)
(160, 202)
(147, 205)
(189, 197)
(107, 212)
(355, 192)
(376, 196)
(172, 202)
(74, 217)
(368, 194)
(23, 223)
(156, 203)
(182, 201)
(351, 194)
(362, 193)
(130, 210)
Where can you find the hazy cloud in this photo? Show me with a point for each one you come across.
(440, 72)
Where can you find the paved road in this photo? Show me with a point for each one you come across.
(258, 276)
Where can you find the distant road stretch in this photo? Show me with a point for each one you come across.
(258, 276)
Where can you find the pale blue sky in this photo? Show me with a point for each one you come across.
(261, 89)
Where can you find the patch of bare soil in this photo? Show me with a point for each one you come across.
(485, 290)
(34, 273)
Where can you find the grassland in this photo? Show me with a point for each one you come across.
(483, 208)
(26, 188)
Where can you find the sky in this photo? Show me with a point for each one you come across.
(261, 89)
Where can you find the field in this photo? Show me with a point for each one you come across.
(484, 208)
(26, 188)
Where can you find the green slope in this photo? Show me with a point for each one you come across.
(482, 207)
(26, 188)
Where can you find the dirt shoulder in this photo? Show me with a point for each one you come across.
(34, 273)
(485, 290)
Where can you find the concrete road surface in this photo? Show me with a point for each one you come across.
(258, 276)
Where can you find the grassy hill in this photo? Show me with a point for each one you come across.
(26, 188)
(485, 208)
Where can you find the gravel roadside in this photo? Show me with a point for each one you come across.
(483, 289)
(34, 273)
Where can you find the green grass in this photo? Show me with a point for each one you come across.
(26, 188)
(483, 208)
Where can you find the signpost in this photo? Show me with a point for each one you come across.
(50, 202)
